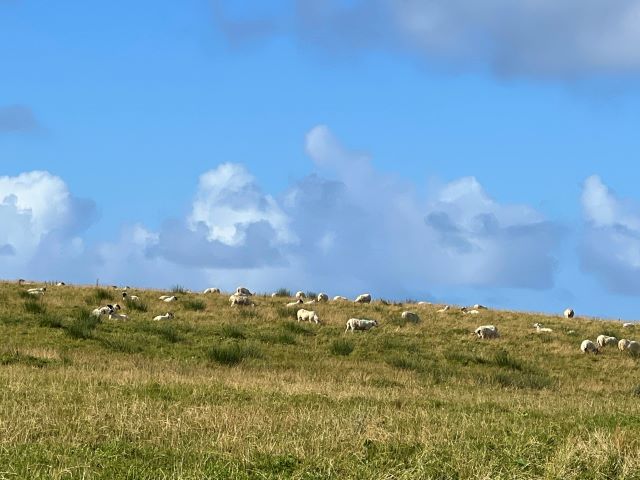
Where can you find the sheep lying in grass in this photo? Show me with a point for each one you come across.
(163, 297)
(569, 313)
(604, 340)
(410, 317)
(354, 324)
(131, 298)
(166, 316)
(477, 306)
(236, 299)
(37, 291)
(340, 298)
(466, 311)
(587, 346)
(300, 295)
(446, 308)
(487, 331)
(322, 297)
(627, 325)
(211, 290)
(295, 304)
(364, 298)
(170, 299)
(106, 310)
(118, 316)
(540, 329)
(307, 316)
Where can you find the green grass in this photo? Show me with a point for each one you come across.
(194, 305)
(137, 306)
(178, 289)
(246, 393)
(283, 292)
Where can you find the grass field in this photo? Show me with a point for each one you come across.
(223, 392)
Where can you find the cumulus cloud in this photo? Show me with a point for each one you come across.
(541, 38)
(39, 217)
(611, 248)
(18, 118)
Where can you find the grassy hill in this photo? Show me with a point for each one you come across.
(223, 392)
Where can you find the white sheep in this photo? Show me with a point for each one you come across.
(446, 308)
(300, 295)
(118, 316)
(37, 291)
(173, 298)
(569, 313)
(132, 298)
(340, 298)
(627, 325)
(323, 297)
(425, 303)
(106, 310)
(634, 347)
(307, 316)
(604, 340)
(236, 299)
(364, 298)
(295, 304)
(477, 306)
(466, 311)
(242, 291)
(410, 317)
(162, 297)
(587, 346)
(540, 329)
(623, 344)
(354, 324)
(60, 284)
(487, 331)
(211, 290)
(166, 316)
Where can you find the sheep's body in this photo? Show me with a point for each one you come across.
(354, 324)
(569, 313)
(307, 316)
(244, 292)
(295, 304)
(322, 297)
(162, 297)
(364, 298)
(470, 312)
(236, 299)
(487, 331)
(60, 284)
(477, 306)
(106, 310)
(173, 298)
(166, 316)
(627, 325)
(540, 329)
(604, 340)
(634, 347)
(131, 298)
(446, 308)
(623, 344)
(118, 316)
(300, 295)
(340, 298)
(410, 317)
(587, 346)
(211, 290)
(37, 291)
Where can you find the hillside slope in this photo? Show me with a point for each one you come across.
(222, 392)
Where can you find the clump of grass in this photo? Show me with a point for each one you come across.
(248, 313)
(26, 295)
(283, 292)
(169, 333)
(232, 331)
(98, 295)
(297, 329)
(194, 304)
(464, 358)
(178, 289)
(137, 306)
(50, 321)
(405, 362)
(281, 338)
(521, 380)
(231, 353)
(120, 345)
(503, 359)
(341, 346)
(15, 357)
(284, 312)
(82, 325)
(33, 305)
(311, 295)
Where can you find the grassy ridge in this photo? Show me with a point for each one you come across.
(223, 392)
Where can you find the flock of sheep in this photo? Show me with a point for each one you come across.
(243, 297)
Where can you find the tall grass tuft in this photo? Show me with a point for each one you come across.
(231, 353)
(33, 306)
(178, 289)
(283, 292)
(137, 306)
(232, 331)
(82, 325)
(341, 346)
(194, 304)
(98, 296)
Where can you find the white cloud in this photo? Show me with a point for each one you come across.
(611, 248)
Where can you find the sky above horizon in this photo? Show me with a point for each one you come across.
(443, 151)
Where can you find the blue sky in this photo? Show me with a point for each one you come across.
(415, 150)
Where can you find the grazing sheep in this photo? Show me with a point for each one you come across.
(166, 316)
(354, 324)
(307, 316)
(170, 299)
(236, 299)
(295, 304)
(587, 346)
(569, 313)
(132, 298)
(300, 295)
(364, 298)
(340, 298)
(211, 290)
(623, 344)
(323, 297)
(540, 329)
(242, 291)
(604, 340)
(627, 325)
(410, 317)
(446, 308)
(487, 331)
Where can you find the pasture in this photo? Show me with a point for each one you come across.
(248, 392)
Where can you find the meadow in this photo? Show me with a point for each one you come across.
(250, 393)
